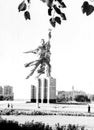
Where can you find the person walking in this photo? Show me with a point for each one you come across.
(8, 105)
(89, 108)
(11, 106)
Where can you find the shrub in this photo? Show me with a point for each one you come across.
(4, 124)
(82, 98)
(68, 127)
(1, 97)
(7, 125)
(18, 112)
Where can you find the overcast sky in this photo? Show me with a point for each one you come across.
(72, 46)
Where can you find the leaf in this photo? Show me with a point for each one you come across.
(58, 11)
(49, 3)
(90, 10)
(63, 16)
(52, 21)
(58, 20)
(22, 6)
(63, 5)
(59, 1)
(27, 15)
(85, 7)
(28, 1)
(43, 1)
(50, 11)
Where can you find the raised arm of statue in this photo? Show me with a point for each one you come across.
(39, 49)
(33, 51)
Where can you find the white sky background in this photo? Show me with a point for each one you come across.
(72, 46)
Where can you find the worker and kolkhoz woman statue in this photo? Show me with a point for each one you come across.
(42, 64)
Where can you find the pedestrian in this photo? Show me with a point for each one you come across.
(88, 108)
(8, 105)
(11, 106)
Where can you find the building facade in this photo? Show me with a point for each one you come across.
(1, 93)
(69, 95)
(52, 90)
(1, 90)
(6, 93)
(33, 93)
(45, 91)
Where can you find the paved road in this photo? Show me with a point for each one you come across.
(52, 120)
(56, 107)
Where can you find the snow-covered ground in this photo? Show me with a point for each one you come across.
(57, 107)
(51, 119)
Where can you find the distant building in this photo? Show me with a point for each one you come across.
(52, 90)
(1, 93)
(69, 95)
(39, 90)
(46, 90)
(8, 90)
(1, 90)
(8, 93)
(33, 93)
(71, 92)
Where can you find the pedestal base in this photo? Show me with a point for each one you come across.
(44, 101)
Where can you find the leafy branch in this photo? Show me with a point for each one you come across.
(54, 10)
(87, 8)
(24, 6)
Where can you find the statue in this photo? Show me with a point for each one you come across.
(43, 62)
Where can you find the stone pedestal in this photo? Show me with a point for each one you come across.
(45, 90)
